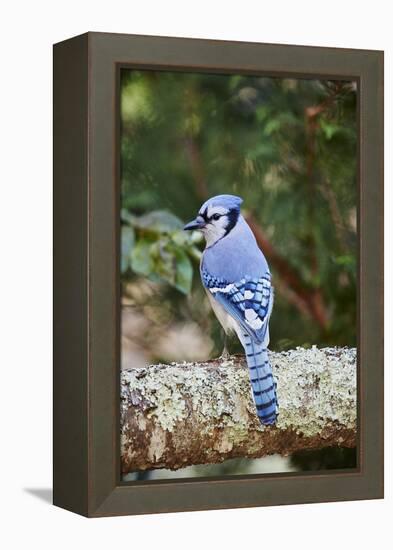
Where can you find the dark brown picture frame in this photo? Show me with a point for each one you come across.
(86, 274)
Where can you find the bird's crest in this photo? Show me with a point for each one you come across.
(229, 202)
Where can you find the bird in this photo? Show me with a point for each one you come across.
(237, 279)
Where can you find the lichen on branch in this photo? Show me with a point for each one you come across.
(178, 415)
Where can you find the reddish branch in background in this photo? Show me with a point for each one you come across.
(306, 299)
(194, 157)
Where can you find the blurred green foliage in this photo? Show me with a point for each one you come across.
(288, 147)
(155, 245)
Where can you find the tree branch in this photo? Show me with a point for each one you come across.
(177, 415)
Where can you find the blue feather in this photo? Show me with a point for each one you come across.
(262, 382)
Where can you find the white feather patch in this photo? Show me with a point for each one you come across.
(252, 319)
(250, 315)
(256, 324)
(225, 289)
(248, 295)
(216, 210)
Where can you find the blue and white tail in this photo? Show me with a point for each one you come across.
(262, 381)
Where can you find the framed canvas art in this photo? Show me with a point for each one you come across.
(218, 287)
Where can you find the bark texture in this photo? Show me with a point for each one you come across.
(178, 415)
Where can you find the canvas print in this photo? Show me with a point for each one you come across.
(238, 217)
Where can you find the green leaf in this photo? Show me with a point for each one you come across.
(345, 260)
(160, 221)
(262, 113)
(127, 244)
(181, 238)
(141, 259)
(271, 126)
(329, 129)
(164, 261)
(183, 271)
(234, 81)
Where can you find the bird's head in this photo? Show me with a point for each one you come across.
(216, 217)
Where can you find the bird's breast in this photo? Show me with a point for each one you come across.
(227, 322)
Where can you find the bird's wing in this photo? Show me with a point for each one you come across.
(248, 301)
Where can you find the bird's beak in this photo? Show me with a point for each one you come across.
(194, 224)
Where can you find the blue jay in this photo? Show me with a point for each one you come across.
(236, 277)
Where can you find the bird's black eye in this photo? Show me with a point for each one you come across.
(216, 216)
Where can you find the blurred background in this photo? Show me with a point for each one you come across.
(289, 149)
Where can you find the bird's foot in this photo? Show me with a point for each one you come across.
(225, 357)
